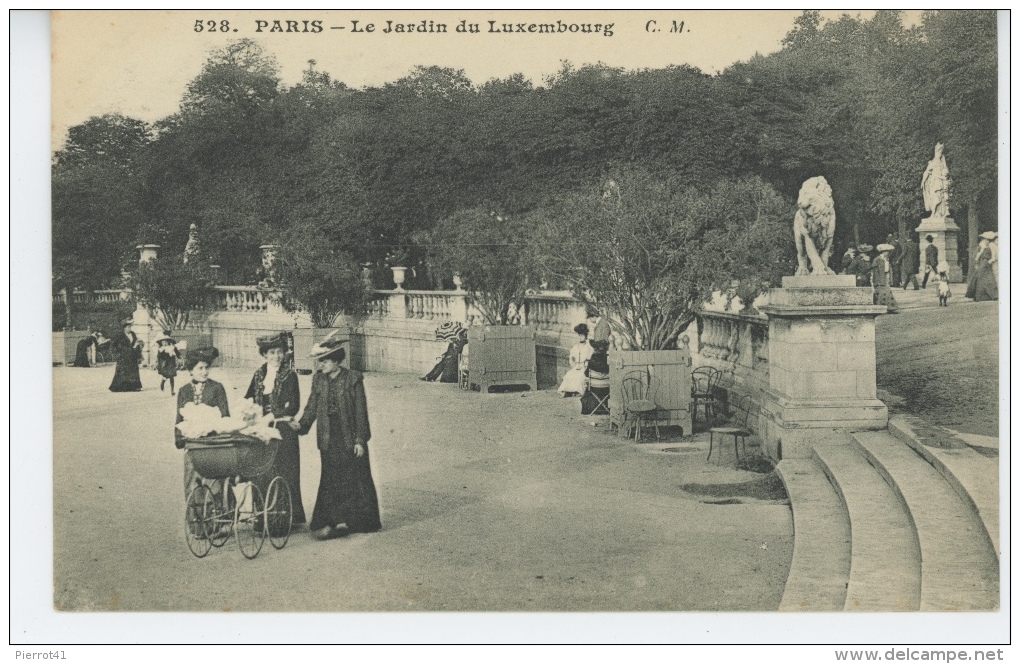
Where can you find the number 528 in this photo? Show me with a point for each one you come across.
(212, 26)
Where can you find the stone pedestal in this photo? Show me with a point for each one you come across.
(821, 364)
(943, 231)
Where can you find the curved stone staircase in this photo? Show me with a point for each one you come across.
(898, 520)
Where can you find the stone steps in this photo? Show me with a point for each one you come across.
(974, 477)
(820, 567)
(959, 570)
(885, 565)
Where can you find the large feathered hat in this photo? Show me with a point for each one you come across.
(329, 348)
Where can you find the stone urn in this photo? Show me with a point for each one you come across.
(458, 281)
(366, 274)
(147, 252)
(399, 274)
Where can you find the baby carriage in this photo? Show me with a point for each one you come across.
(228, 502)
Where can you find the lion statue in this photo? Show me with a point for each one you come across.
(813, 227)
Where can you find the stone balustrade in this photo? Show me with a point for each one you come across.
(86, 297)
(245, 299)
(397, 334)
(737, 345)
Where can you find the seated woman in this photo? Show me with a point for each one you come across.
(201, 390)
(573, 382)
(445, 370)
(595, 399)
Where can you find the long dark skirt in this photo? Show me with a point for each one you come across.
(346, 491)
(445, 370)
(81, 352)
(125, 376)
(981, 286)
(287, 465)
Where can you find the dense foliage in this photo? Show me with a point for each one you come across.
(170, 288)
(378, 170)
(494, 255)
(648, 253)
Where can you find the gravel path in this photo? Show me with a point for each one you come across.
(501, 502)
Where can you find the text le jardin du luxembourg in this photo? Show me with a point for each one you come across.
(426, 26)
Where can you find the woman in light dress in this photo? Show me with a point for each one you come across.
(573, 382)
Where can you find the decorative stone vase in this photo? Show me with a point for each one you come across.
(458, 281)
(366, 274)
(399, 274)
(147, 252)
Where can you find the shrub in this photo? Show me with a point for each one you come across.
(495, 256)
(322, 279)
(171, 289)
(648, 254)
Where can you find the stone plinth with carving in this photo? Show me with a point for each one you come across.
(943, 231)
(821, 363)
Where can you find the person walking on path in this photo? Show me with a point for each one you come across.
(981, 286)
(274, 389)
(127, 347)
(895, 257)
(944, 292)
(201, 390)
(931, 261)
(880, 277)
(861, 266)
(848, 258)
(908, 263)
(166, 361)
(346, 501)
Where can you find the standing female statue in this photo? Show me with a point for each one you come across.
(935, 185)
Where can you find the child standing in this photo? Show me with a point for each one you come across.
(944, 292)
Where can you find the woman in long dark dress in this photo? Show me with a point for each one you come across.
(166, 361)
(346, 501)
(274, 388)
(445, 370)
(981, 284)
(81, 351)
(127, 348)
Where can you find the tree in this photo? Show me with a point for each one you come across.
(648, 254)
(108, 140)
(494, 254)
(320, 278)
(171, 289)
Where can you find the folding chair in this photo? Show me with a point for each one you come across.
(596, 392)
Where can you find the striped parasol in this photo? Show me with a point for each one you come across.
(449, 330)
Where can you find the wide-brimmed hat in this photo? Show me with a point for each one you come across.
(208, 354)
(270, 341)
(988, 235)
(885, 247)
(164, 339)
(328, 349)
(929, 238)
(864, 248)
(449, 330)
(943, 266)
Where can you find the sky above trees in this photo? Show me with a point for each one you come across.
(139, 63)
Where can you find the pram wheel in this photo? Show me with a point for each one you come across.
(279, 512)
(223, 507)
(249, 526)
(197, 520)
